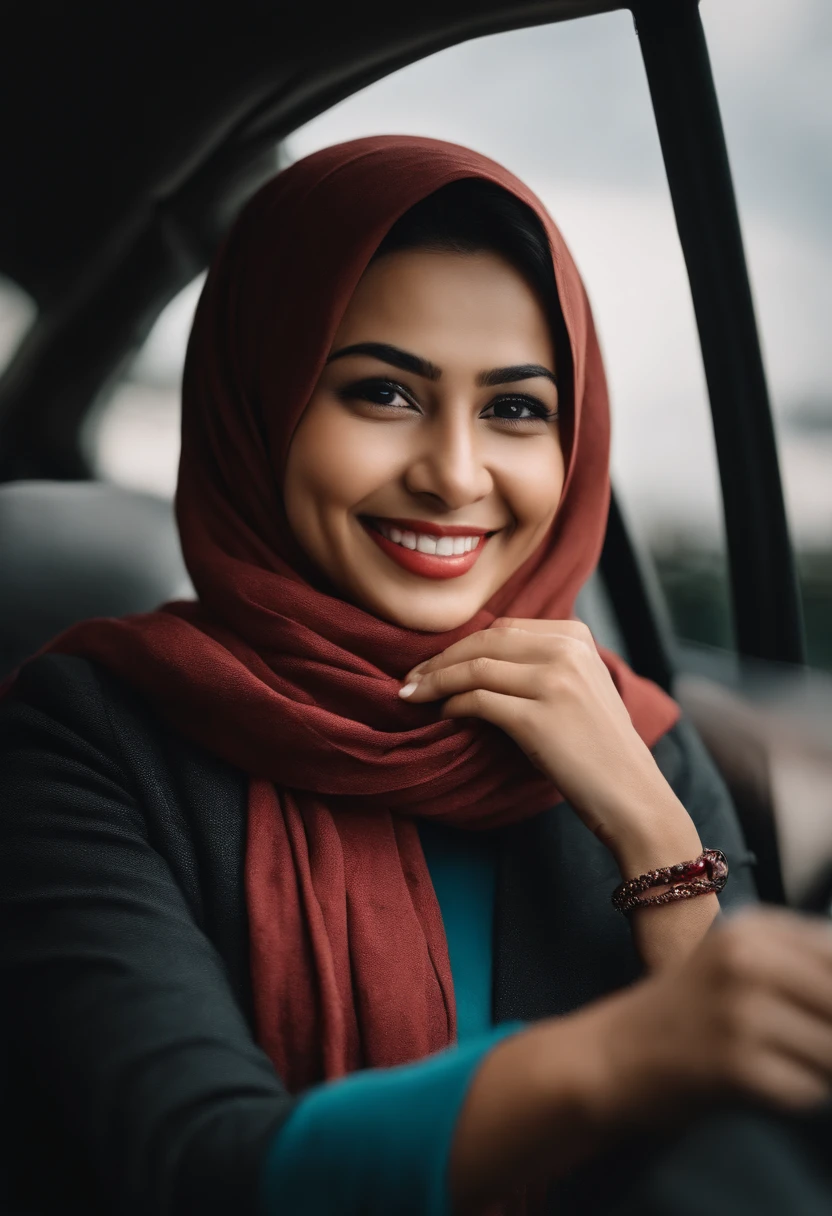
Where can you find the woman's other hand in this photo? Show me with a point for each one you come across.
(545, 684)
(747, 1017)
(748, 1014)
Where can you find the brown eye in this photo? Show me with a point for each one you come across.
(520, 409)
(377, 392)
(381, 394)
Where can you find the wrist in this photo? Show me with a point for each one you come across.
(653, 836)
(654, 852)
(580, 1084)
(667, 934)
(525, 1116)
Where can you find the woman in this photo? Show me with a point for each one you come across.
(254, 848)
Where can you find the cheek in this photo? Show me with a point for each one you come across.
(338, 460)
(531, 484)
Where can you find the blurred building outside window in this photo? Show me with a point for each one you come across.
(566, 107)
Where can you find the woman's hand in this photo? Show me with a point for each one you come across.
(748, 1014)
(545, 685)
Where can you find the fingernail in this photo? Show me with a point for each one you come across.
(408, 689)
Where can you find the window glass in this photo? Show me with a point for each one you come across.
(772, 62)
(566, 107)
(133, 436)
(17, 312)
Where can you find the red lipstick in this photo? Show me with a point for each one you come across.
(428, 565)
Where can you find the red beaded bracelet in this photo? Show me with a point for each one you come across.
(706, 873)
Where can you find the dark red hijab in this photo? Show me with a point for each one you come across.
(276, 674)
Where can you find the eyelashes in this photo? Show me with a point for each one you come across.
(387, 394)
(376, 392)
(539, 411)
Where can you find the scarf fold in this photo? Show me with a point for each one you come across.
(274, 673)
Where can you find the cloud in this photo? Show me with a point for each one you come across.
(771, 61)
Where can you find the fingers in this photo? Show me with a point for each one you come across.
(782, 952)
(792, 1031)
(786, 1083)
(787, 1056)
(512, 640)
(495, 707)
(773, 979)
(480, 674)
(806, 982)
(572, 629)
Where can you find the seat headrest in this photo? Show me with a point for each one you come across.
(72, 550)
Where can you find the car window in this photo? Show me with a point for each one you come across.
(772, 63)
(17, 313)
(132, 436)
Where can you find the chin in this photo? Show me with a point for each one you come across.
(424, 618)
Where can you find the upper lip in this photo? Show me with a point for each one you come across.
(427, 528)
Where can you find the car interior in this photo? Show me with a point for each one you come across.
(115, 196)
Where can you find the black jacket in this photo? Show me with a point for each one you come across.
(134, 1084)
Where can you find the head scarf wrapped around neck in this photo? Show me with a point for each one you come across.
(298, 688)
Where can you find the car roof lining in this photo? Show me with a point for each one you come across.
(92, 143)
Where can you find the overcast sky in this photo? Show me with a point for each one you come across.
(566, 107)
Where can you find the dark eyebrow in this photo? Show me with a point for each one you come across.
(508, 375)
(393, 355)
(408, 362)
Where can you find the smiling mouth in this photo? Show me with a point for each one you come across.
(440, 553)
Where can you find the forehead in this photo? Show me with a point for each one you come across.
(443, 304)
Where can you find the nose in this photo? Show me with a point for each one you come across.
(448, 465)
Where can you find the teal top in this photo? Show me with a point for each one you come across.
(463, 869)
(379, 1141)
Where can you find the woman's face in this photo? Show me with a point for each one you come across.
(427, 466)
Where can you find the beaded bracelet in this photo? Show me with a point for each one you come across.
(706, 873)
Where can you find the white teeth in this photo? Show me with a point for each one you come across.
(440, 546)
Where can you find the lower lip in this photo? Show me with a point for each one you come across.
(428, 565)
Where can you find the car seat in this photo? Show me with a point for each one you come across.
(72, 550)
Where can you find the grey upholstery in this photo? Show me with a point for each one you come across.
(593, 607)
(72, 550)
